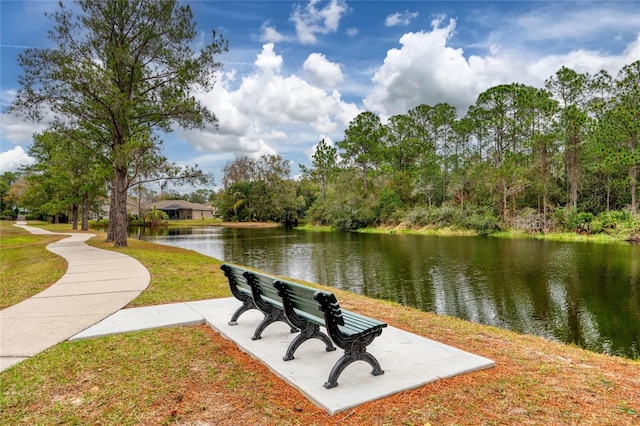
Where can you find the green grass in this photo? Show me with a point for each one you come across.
(562, 236)
(194, 222)
(20, 251)
(112, 380)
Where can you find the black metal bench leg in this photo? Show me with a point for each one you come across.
(270, 318)
(246, 306)
(311, 331)
(346, 360)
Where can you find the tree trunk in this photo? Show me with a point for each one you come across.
(112, 214)
(505, 210)
(117, 231)
(573, 169)
(85, 213)
(74, 216)
(365, 167)
(634, 191)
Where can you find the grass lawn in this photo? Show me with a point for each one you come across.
(26, 266)
(192, 376)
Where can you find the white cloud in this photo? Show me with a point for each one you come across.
(268, 61)
(310, 21)
(553, 22)
(269, 112)
(427, 70)
(270, 34)
(17, 130)
(398, 18)
(423, 70)
(14, 158)
(321, 71)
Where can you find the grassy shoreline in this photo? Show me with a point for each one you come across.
(448, 231)
(194, 376)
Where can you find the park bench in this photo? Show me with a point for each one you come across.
(308, 308)
(244, 287)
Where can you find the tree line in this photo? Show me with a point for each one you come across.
(564, 156)
(539, 159)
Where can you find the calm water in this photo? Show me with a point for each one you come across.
(587, 294)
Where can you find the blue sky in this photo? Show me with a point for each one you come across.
(298, 72)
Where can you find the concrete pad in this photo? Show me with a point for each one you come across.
(409, 361)
(176, 314)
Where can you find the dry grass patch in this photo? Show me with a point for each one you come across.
(193, 376)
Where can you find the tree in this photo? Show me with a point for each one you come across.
(201, 196)
(401, 145)
(7, 179)
(362, 143)
(241, 169)
(443, 117)
(69, 173)
(323, 166)
(121, 71)
(570, 89)
(16, 197)
(625, 118)
(421, 132)
(504, 114)
(265, 193)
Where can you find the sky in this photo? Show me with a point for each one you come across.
(298, 72)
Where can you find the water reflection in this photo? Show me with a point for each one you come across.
(572, 292)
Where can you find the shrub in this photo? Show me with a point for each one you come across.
(154, 217)
(483, 223)
(572, 220)
(388, 205)
(418, 216)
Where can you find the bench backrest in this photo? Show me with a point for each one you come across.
(236, 277)
(264, 285)
(305, 299)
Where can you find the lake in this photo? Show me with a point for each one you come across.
(580, 293)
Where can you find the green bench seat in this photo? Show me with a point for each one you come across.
(349, 331)
(305, 309)
(243, 287)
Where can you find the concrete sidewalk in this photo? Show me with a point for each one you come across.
(97, 284)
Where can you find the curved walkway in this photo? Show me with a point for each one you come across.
(97, 284)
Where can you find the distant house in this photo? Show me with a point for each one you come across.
(103, 207)
(181, 209)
